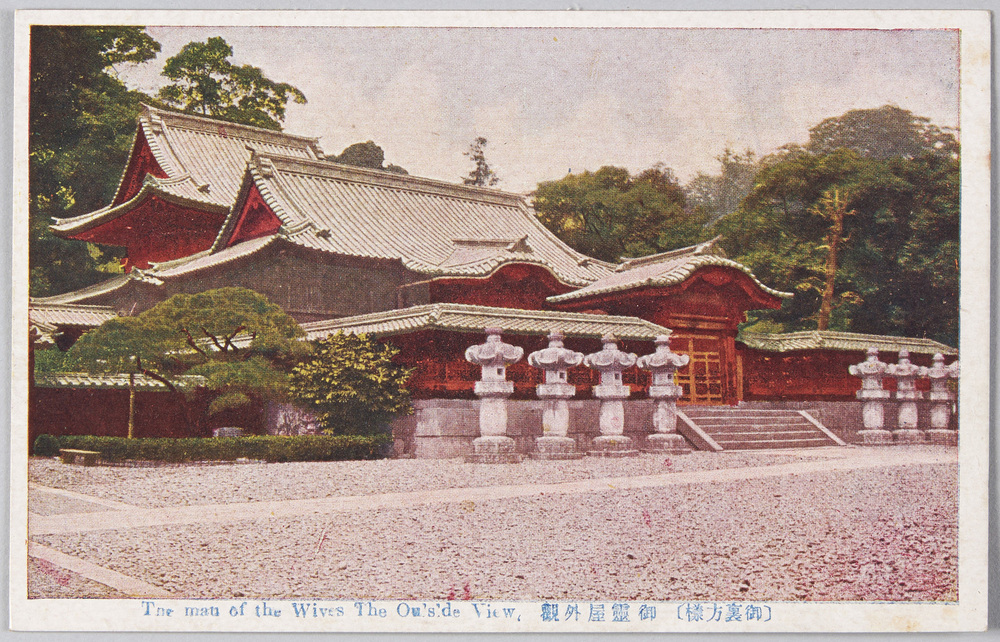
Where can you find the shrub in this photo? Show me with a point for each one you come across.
(353, 383)
(268, 448)
(45, 445)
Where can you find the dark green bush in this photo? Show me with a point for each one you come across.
(45, 445)
(268, 448)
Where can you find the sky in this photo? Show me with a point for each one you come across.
(557, 100)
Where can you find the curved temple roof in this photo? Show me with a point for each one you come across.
(432, 227)
(831, 340)
(204, 159)
(68, 315)
(457, 317)
(665, 269)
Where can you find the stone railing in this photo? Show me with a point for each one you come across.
(905, 430)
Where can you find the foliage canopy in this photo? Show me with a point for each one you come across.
(482, 174)
(898, 269)
(609, 213)
(207, 82)
(199, 334)
(353, 383)
(81, 124)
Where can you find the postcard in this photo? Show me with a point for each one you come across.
(500, 321)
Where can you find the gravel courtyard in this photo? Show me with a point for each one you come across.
(820, 524)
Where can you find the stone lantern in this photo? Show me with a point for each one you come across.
(493, 445)
(555, 360)
(873, 398)
(610, 362)
(941, 399)
(663, 364)
(906, 375)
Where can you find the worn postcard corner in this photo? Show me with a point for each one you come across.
(474, 321)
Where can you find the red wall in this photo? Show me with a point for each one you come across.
(512, 286)
(441, 371)
(104, 412)
(806, 375)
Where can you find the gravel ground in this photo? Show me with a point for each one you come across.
(43, 503)
(865, 534)
(50, 581)
(254, 482)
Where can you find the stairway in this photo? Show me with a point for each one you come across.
(726, 428)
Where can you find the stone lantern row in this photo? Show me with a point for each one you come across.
(873, 397)
(493, 445)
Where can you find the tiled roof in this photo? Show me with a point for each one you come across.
(432, 227)
(474, 318)
(204, 159)
(68, 315)
(204, 260)
(83, 294)
(181, 191)
(667, 268)
(830, 340)
(112, 381)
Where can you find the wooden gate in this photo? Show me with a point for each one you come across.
(702, 379)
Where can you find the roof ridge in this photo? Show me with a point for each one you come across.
(383, 178)
(696, 249)
(211, 125)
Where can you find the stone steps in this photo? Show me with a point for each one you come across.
(746, 429)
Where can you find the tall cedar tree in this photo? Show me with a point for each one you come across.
(482, 174)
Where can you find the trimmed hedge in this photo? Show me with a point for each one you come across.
(267, 448)
(45, 445)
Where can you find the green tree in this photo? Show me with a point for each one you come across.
(352, 381)
(238, 340)
(714, 196)
(81, 124)
(207, 82)
(482, 174)
(608, 214)
(898, 272)
(886, 132)
(367, 154)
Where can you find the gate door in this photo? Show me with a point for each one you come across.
(701, 379)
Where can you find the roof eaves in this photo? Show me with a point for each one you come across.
(97, 289)
(448, 316)
(833, 340)
(150, 187)
(672, 277)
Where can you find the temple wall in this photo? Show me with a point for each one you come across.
(104, 412)
(306, 288)
(806, 375)
(444, 428)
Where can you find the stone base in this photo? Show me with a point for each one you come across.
(555, 448)
(494, 450)
(942, 437)
(873, 437)
(612, 446)
(666, 443)
(908, 436)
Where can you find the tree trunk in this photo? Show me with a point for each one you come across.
(832, 241)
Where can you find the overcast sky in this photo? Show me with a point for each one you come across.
(556, 100)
